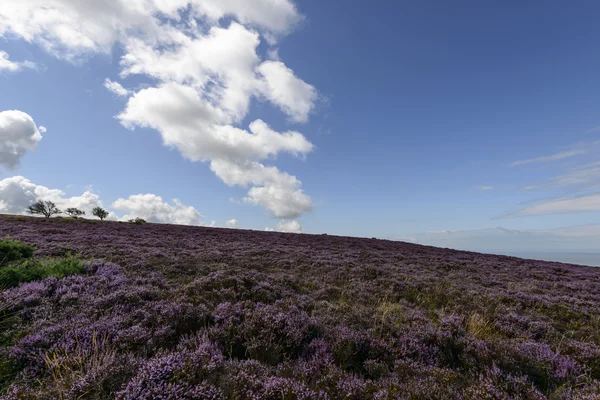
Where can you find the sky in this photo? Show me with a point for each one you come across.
(466, 124)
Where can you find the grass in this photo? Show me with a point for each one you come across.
(480, 327)
(35, 270)
(17, 264)
(13, 250)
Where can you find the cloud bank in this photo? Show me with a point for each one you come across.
(152, 208)
(17, 192)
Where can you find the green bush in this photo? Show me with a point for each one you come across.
(13, 250)
(34, 270)
(138, 221)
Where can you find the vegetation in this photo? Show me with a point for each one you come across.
(100, 213)
(74, 212)
(34, 270)
(17, 264)
(178, 312)
(138, 221)
(13, 250)
(45, 208)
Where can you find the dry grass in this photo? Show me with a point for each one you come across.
(69, 367)
(480, 327)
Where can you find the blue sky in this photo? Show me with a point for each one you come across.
(468, 125)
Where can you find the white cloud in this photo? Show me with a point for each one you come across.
(18, 192)
(277, 191)
(72, 28)
(18, 134)
(278, 16)
(295, 97)
(553, 157)
(116, 88)
(281, 201)
(232, 223)
(152, 208)
(12, 66)
(204, 75)
(586, 176)
(289, 226)
(190, 124)
(563, 206)
(6, 64)
(485, 188)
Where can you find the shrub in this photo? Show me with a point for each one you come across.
(138, 221)
(33, 270)
(13, 250)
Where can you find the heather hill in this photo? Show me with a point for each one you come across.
(147, 311)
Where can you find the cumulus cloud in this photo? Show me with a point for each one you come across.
(554, 157)
(204, 62)
(281, 201)
(277, 16)
(191, 125)
(72, 28)
(18, 192)
(295, 97)
(115, 88)
(289, 226)
(562, 206)
(18, 134)
(232, 223)
(152, 208)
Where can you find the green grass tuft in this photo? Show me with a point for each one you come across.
(34, 270)
(13, 250)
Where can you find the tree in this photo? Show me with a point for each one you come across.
(74, 212)
(100, 213)
(45, 208)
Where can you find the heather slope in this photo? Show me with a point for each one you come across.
(189, 312)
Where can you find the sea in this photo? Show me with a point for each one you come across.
(581, 258)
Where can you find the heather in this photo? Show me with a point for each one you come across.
(172, 312)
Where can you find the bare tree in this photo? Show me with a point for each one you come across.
(74, 212)
(45, 208)
(100, 213)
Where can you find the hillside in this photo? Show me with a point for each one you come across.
(175, 312)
